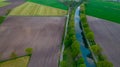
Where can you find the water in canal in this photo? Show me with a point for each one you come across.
(85, 51)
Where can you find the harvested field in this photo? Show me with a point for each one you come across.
(34, 9)
(14, 3)
(43, 34)
(107, 34)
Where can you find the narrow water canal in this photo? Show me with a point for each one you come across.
(85, 51)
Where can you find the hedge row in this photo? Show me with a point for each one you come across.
(95, 48)
(72, 54)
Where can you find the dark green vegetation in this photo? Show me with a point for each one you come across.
(72, 56)
(104, 9)
(53, 3)
(95, 48)
(1, 19)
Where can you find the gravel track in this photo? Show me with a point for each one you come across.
(43, 34)
(14, 3)
(107, 35)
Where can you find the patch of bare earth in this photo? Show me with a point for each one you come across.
(43, 34)
(107, 35)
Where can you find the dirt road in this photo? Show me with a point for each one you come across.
(43, 34)
(107, 35)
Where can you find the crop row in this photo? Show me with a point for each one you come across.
(33, 9)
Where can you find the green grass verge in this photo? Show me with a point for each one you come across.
(33, 9)
(19, 62)
(104, 9)
(2, 4)
(52, 3)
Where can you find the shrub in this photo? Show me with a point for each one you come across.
(82, 65)
(63, 64)
(75, 49)
(104, 64)
(29, 51)
(90, 36)
(13, 55)
(1, 19)
(96, 49)
(80, 61)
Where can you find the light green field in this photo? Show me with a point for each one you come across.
(2, 4)
(20, 62)
(33, 9)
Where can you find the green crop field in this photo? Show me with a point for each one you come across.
(104, 9)
(19, 62)
(52, 3)
(33, 9)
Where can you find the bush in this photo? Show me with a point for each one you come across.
(104, 64)
(82, 65)
(80, 61)
(29, 51)
(90, 36)
(96, 49)
(63, 64)
(13, 55)
(75, 49)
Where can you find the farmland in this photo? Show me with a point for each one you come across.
(33, 9)
(13, 4)
(104, 9)
(107, 36)
(43, 34)
(53, 3)
(19, 62)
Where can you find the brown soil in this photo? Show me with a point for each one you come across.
(107, 35)
(43, 34)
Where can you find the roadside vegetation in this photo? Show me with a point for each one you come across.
(100, 59)
(104, 9)
(34, 9)
(72, 55)
(53, 3)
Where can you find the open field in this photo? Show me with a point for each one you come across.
(33, 9)
(19, 62)
(43, 34)
(13, 3)
(104, 9)
(53, 3)
(107, 34)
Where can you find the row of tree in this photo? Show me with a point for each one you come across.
(95, 48)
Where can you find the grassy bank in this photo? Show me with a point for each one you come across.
(104, 9)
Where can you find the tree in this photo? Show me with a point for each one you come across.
(104, 64)
(63, 64)
(29, 51)
(82, 65)
(96, 49)
(90, 36)
(80, 61)
(75, 49)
